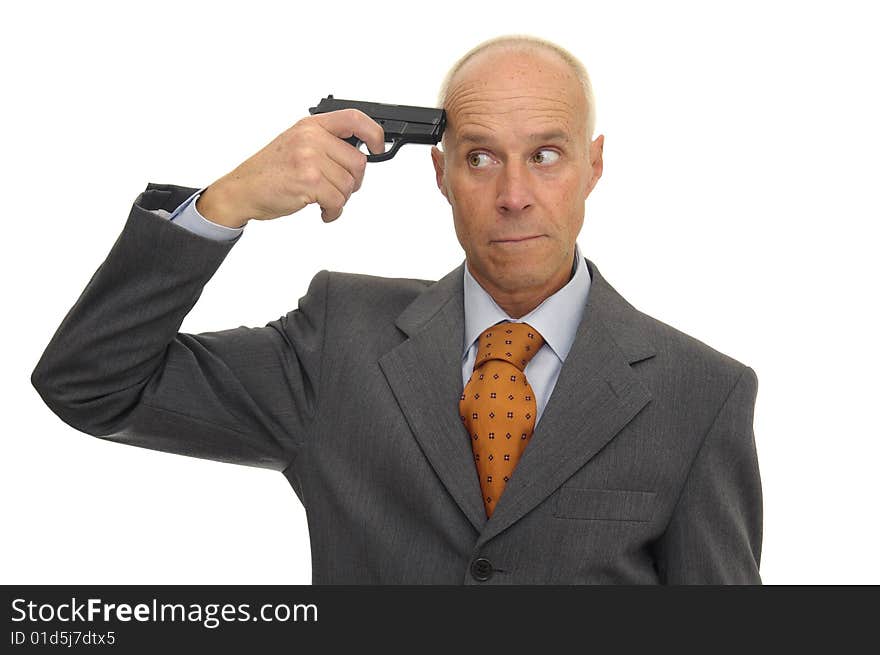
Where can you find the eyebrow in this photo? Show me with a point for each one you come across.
(549, 135)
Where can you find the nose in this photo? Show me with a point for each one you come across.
(514, 189)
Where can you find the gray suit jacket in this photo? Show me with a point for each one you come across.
(643, 468)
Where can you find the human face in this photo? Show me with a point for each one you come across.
(516, 171)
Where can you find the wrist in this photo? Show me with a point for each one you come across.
(215, 203)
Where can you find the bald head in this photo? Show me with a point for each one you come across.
(512, 56)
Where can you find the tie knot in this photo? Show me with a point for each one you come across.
(516, 343)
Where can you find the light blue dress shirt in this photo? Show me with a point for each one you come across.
(556, 319)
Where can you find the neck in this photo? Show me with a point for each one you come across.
(519, 302)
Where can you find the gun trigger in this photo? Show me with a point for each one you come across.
(388, 154)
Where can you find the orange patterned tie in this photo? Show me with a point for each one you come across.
(498, 406)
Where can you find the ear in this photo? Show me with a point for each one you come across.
(438, 157)
(595, 162)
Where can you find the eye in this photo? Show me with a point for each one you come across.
(546, 156)
(474, 159)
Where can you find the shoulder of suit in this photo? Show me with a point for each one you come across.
(371, 292)
(360, 282)
(677, 348)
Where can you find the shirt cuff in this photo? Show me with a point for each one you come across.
(187, 216)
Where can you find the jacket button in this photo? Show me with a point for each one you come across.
(481, 569)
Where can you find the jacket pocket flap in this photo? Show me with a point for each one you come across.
(606, 504)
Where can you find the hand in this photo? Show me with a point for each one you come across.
(307, 163)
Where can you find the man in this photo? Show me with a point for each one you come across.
(516, 422)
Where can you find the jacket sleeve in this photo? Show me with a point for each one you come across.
(715, 532)
(117, 367)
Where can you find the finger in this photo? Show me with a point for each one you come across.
(327, 217)
(340, 177)
(330, 199)
(345, 123)
(348, 157)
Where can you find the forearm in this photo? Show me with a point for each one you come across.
(112, 340)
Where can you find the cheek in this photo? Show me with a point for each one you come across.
(469, 202)
(565, 196)
(467, 191)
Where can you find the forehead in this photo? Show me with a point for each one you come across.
(535, 90)
(511, 64)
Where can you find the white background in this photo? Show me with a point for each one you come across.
(738, 204)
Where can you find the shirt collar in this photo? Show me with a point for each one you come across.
(556, 318)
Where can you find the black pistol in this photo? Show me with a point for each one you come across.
(402, 123)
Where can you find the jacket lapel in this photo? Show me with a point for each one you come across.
(424, 373)
(596, 395)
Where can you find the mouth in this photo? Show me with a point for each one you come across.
(518, 239)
